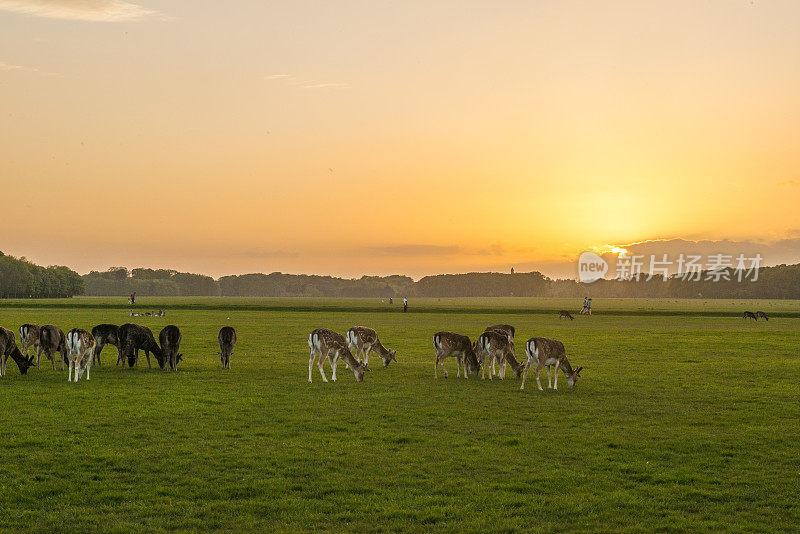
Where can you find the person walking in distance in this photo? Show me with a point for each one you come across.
(585, 307)
(405, 305)
(133, 298)
(589, 306)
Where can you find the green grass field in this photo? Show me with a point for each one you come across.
(685, 418)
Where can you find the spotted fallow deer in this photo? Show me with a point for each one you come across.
(331, 345)
(28, 337)
(508, 330)
(448, 344)
(80, 353)
(8, 347)
(762, 315)
(493, 346)
(227, 339)
(548, 352)
(362, 340)
(51, 341)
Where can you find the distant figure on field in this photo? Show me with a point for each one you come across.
(405, 305)
(133, 298)
(589, 306)
(512, 270)
(585, 307)
(390, 300)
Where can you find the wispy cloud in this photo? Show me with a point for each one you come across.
(89, 10)
(790, 183)
(305, 84)
(20, 68)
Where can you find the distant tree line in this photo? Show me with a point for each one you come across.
(780, 282)
(20, 278)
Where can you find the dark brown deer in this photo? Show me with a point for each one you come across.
(80, 345)
(330, 345)
(762, 315)
(28, 337)
(565, 313)
(227, 339)
(170, 339)
(363, 340)
(448, 344)
(132, 339)
(548, 352)
(52, 341)
(750, 315)
(8, 347)
(105, 334)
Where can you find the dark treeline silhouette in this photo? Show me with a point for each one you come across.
(780, 282)
(20, 278)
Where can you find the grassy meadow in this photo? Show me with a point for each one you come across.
(685, 418)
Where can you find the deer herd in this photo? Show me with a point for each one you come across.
(490, 354)
(80, 349)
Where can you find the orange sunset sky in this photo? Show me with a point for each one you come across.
(377, 137)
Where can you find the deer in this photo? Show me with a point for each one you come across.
(227, 339)
(761, 315)
(492, 346)
(105, 334)
(449, 344)
(8, 347)
(548, 352)
(51, 341)
(331, 345)
(170, 339)
(750, 315)
(508, 330)
(80, 345)
(362, 340)
(564, 313)
(132, 338)
(28, 337)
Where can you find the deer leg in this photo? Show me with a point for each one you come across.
(365, 349)
(320, 362)
(555, 381)
(310, 364)
(539, 370)
(147, 353)
(334, 362)
(525, 373)
(549, 383)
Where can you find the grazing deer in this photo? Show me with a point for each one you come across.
(8, 347)
(548, 352)
(363, 340)
(51, 341)
(331, 345)
(105, 334)
(449, 344)
(762, 315)
(492, 346)
(170, 339)
(565, 313)
(516, 367)
(503, 329)
(227, 339)
(28, 337)
(132, 339)
(749, 315)
(80, 344)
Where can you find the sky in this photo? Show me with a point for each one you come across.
(381, 137)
